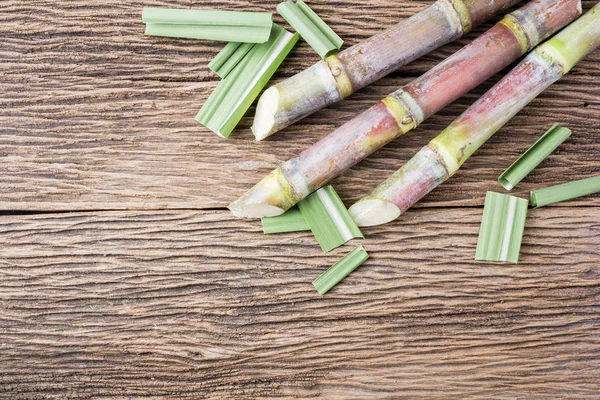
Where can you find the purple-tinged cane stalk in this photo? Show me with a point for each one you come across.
(445, 154)
(406, 108)
(338, 76)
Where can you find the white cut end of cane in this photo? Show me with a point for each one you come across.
(374, 212)
(266, 199)
(264, 119)
(254, 210)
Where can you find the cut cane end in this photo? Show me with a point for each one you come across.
(374, 212)
(264, 119)
(506, 184)
(268, 198)
(242, 210)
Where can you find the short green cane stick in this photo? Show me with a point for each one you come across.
(534, 156)
(229, 57)
(328, 219)
(340, 270)
(230, 26)
(311, 27)
(566, 191)
(291, 221)
(502, 228)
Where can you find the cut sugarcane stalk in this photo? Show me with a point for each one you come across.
(534, 156)
(235, 94)
(328, 219)
(229, 57)
(291, 221)
(230, 26)
(566, 191)
(311, 27)
(337, 77)
(340, 270)
(444, 155)
(502, 227)
(409, 106)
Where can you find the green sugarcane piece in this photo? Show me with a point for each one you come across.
(566, 191)
(502, 228)
(229, 57)
(328, 219)
(234, 95)
(340, 270)
(220, 33)
(533, 157)
(323, 27)
(231, 26)
(311, 27)
(291, 221)
(179, 16)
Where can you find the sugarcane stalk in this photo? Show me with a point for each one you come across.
(406, 108)
(446, 153)
(338, 76)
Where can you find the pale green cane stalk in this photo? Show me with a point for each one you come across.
(328, 219)
(311, 27)
(534, 156)
(564, 192)
(502, 228)
(234, 95)
(231, 26)
(340, 270)
(229, 57)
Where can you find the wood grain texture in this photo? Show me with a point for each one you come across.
(96, 116)
(186, 304)
(178, 302)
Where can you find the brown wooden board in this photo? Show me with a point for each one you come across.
(135, 283)
(187, 304)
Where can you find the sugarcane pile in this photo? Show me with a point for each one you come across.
(249, 61)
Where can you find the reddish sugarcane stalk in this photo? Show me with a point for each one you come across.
(338, 76)
(445, 154)
(406, 108)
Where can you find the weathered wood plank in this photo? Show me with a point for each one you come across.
(197, 305)
(95, 116)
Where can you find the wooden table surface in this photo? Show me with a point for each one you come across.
(122, 275)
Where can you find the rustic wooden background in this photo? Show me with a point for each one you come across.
(122, 275)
